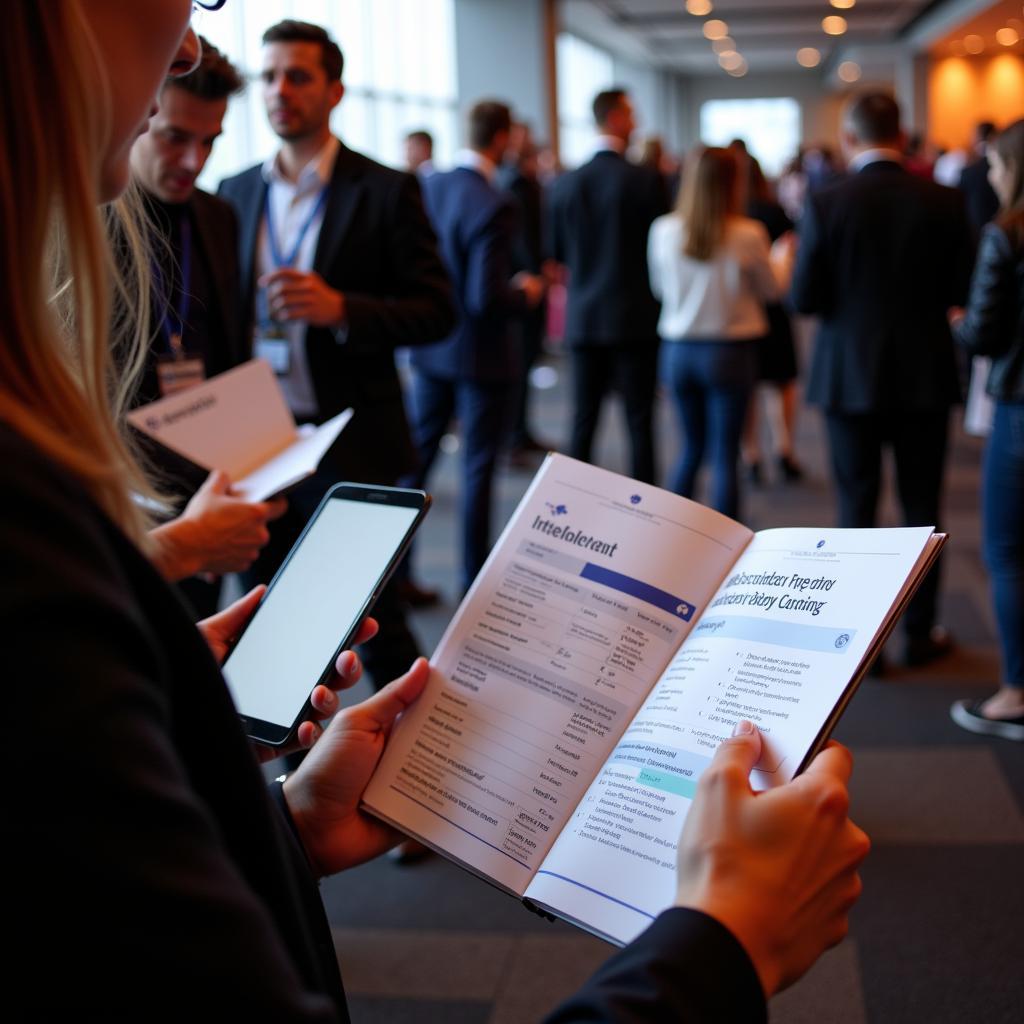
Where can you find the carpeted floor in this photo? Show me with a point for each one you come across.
(936, 936)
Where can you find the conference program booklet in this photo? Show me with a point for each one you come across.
(239, 422)
(612, 640)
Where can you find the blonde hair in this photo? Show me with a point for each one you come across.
(709, 197)
(75, 314)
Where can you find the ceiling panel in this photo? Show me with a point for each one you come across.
(767, 33)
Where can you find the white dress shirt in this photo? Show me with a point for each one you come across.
(291, 203)
(720, 299)
(474, 161)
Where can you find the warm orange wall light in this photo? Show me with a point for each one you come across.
(962, 92)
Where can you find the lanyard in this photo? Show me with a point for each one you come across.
(275, 252)
(184, 297)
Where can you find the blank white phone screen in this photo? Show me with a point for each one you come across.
(283, 652)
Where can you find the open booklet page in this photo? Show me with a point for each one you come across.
(580, 607)
(778, 644)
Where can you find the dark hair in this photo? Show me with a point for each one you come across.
(215, 77)
(708, 198)
(421, 135)
(486, 119)
(605, 102)
(1009, 145)
(874, 117)
(291, 31)
(984, 131)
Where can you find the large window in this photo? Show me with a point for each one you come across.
(583, 71)
(770, 128)
(399, 75)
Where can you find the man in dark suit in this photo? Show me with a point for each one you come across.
(196, 330)
(600, 217)
(883, 256)
(471, 373)
(517, 176)
(339, 266)
(982, 201)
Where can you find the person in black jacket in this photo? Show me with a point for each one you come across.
(600, 217)
(883, 256)
(196, 331)
(993, 325)
(981, 199)
(339, 267)
(140, 825)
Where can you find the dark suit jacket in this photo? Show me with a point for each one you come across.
(475, 225)
(140, 822)
(215, 237)
(528, 196)
(982, 201)
(883, 255)
(685, 968)
(600, 217)
(376, 247)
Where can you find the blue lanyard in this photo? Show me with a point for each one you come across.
(275, 252)
(179, 311)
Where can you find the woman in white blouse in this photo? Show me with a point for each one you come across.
(712, 271)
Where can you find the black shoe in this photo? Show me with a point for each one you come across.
(415, 596)
(791, 470)
(967, 714)
(928, 647)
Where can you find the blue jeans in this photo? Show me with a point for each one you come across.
(711, 383)
(482, 413)
(1003, 532)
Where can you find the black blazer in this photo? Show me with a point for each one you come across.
(600, 217)
(982, 201)
(140, 827)
(993, 323)
(883, 255)
(376, 247)
(225, 345)
(476, 227)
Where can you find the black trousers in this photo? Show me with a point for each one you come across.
(919, 440)
(631, 369)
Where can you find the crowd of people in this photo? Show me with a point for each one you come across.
(139, 817)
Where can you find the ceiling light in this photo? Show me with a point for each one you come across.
(1007, 36)
(723, 44)
(698, 7)
(834, 25)
(974, 44)
(849, 71)
(808, 57)
(731, 61)
(739, 71)
(715, 29)
(842, 5)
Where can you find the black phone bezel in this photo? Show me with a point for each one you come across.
(273, 734)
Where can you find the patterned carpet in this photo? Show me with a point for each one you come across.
(936, 934)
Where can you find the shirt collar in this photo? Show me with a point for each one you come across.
(608, 144)
(474, 161)
(875, 156)
(316, 174)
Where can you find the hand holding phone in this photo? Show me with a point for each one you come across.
(315, 604)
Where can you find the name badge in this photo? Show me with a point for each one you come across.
(275, 351)
(179, 374)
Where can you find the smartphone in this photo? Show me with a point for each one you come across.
(315, 603)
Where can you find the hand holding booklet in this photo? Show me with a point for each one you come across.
(239, 422)
(612, 640)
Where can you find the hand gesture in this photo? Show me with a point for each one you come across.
(778, 868)
(220, 631)
(298, 295)
(323, 795)
(218, 532)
